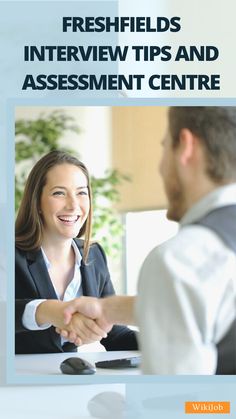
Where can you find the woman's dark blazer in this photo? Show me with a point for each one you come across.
(32, 281)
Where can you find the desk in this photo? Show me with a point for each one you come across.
(49, 364)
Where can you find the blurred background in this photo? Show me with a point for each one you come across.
(121, 146)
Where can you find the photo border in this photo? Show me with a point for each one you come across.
(11, 376)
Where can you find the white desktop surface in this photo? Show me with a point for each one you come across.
(49, 364)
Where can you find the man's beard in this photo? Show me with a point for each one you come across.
(176, 200)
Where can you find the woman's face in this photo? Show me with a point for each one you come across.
(64, 203)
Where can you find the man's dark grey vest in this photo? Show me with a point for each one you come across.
(223, 222)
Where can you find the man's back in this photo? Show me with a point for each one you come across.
(223, 222)
(188, 284)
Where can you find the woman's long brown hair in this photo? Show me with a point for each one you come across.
(29, 224)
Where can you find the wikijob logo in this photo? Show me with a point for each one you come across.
(207, 407)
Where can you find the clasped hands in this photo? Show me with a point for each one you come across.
(84, 321)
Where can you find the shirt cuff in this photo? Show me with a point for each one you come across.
(29, 318)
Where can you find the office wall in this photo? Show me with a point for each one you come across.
(136, 149)
(127, 138)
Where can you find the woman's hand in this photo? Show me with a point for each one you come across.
(79, 330)
(91, 308)
(82, 330)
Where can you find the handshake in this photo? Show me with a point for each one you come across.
(86, 319)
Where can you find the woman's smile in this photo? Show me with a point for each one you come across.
(68, 219)
(65, 202)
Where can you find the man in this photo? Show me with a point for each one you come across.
(186, 304)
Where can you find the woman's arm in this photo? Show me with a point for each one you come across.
(37, 308)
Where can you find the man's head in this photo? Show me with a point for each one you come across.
(199, 154)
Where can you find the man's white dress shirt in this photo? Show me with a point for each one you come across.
(186, 298)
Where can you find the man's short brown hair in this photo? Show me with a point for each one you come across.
(216, 128)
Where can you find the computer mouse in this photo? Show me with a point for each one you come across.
(77, 366)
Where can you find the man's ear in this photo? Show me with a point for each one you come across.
(187, 146)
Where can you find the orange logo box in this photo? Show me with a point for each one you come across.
(207, 407)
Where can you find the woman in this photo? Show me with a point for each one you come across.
(54, 265)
